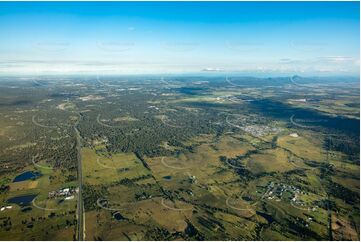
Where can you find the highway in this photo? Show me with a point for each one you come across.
(80, 207)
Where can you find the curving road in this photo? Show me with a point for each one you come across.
(236, 208)
(173, 167)
(45, 209)
(41, 125)
(171, 125)
(175, 209)
(40, 166)
(300, 125)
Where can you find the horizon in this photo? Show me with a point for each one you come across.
(180, 121)
(185, 74)
(156, 38)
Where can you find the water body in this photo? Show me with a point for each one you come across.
(22, 200)
(118, 216)
(266, 216)
(27, 176)
(167, 177)
(247, 198)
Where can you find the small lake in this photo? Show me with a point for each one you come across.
(268, 217)
(247, 198)
(167, 177)
(118, 216)
(27, 175)
(22, 200)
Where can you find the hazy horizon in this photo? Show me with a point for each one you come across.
(263, 38)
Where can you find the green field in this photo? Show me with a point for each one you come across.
(179, 161)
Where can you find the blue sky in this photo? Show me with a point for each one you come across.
(273, 38)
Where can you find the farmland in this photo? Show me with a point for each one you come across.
(179, 158)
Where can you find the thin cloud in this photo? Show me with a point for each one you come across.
(337, 59)
(211, 69)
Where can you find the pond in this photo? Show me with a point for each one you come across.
(247, 198)
(118, 216)
(27, 175)
(167, 177)
(268, 217)
(22, 200)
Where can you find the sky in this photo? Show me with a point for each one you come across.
(271, 38)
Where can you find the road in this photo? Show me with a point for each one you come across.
(329, 212)
(41, 125)
(80, 207)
